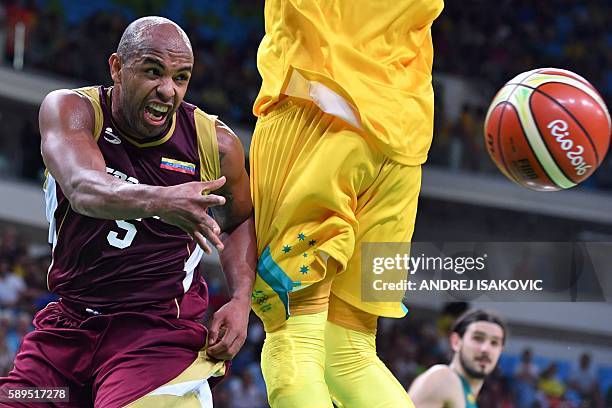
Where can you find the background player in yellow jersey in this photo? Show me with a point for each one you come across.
(477, 338)
(345, 122)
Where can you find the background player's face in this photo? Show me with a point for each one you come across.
(479, 348)
(152, 83)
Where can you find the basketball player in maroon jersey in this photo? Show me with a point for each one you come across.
(139, 182)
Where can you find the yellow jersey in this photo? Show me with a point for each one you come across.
(368, 62)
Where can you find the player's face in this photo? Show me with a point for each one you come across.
(480, 348)
(153, 83)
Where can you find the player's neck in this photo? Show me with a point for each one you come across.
(475, 383)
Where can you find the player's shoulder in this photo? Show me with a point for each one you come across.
(65, 96)
(66, 103)
(440, 379)
(438, 386)
(227, 139)
(441, 373)
(73, 99)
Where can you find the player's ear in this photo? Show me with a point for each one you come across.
(455, 342)
(114, 63)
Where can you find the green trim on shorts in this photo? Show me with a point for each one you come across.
(275, 277)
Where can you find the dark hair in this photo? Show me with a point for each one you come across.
(478, 315)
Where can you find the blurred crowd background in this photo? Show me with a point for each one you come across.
(480, 44)
(483, 43)
(407, 346)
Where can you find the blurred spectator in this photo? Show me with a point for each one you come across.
(6, 357)
(23, 324)
(526, 376)
(465, 148)
(526, 371)
(584, 381)
(551, 386)
(245, 394)
(18, 12)
(11, 285)
(3, 33)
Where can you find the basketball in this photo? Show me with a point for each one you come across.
(547, 129)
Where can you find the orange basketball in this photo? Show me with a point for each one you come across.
(547, 129)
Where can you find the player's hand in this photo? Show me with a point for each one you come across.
(228, 329)
(185, 205)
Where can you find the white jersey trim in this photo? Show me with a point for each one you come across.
(190, 264)
(199, 387)
(327, 100)
(50, 207)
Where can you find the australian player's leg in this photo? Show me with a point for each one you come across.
(305, 192)
(385, 213)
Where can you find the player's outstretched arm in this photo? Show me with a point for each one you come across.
(239, 256)
(72, 156)
(438, 387)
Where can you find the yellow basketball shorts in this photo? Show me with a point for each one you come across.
(321, 189)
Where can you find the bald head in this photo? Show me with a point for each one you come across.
(149, 33)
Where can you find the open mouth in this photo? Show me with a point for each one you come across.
(156, 113)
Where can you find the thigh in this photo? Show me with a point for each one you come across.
(140, 353)
(56, 354)
(308, 170)
(386, 212)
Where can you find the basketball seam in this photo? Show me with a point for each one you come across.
(537, 126)
(499, 144)
(501, 117)
(544, 169)
(566, 111)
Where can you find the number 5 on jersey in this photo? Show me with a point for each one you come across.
(126, 241)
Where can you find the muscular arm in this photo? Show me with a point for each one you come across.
(72, 156)
(438, 387)
(239, 256)
(235, 218)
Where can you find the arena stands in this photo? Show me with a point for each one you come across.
(483, 43)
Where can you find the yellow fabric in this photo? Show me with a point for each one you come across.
(345, 315)
(315, 298)
(92, 94)
(318, 193)
(190, 400)
(355, 375)
(292, 362)
(377, 55)
(202, 368)
(386, 213)
(208, 148)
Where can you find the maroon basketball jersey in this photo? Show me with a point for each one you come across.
(111, 265)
